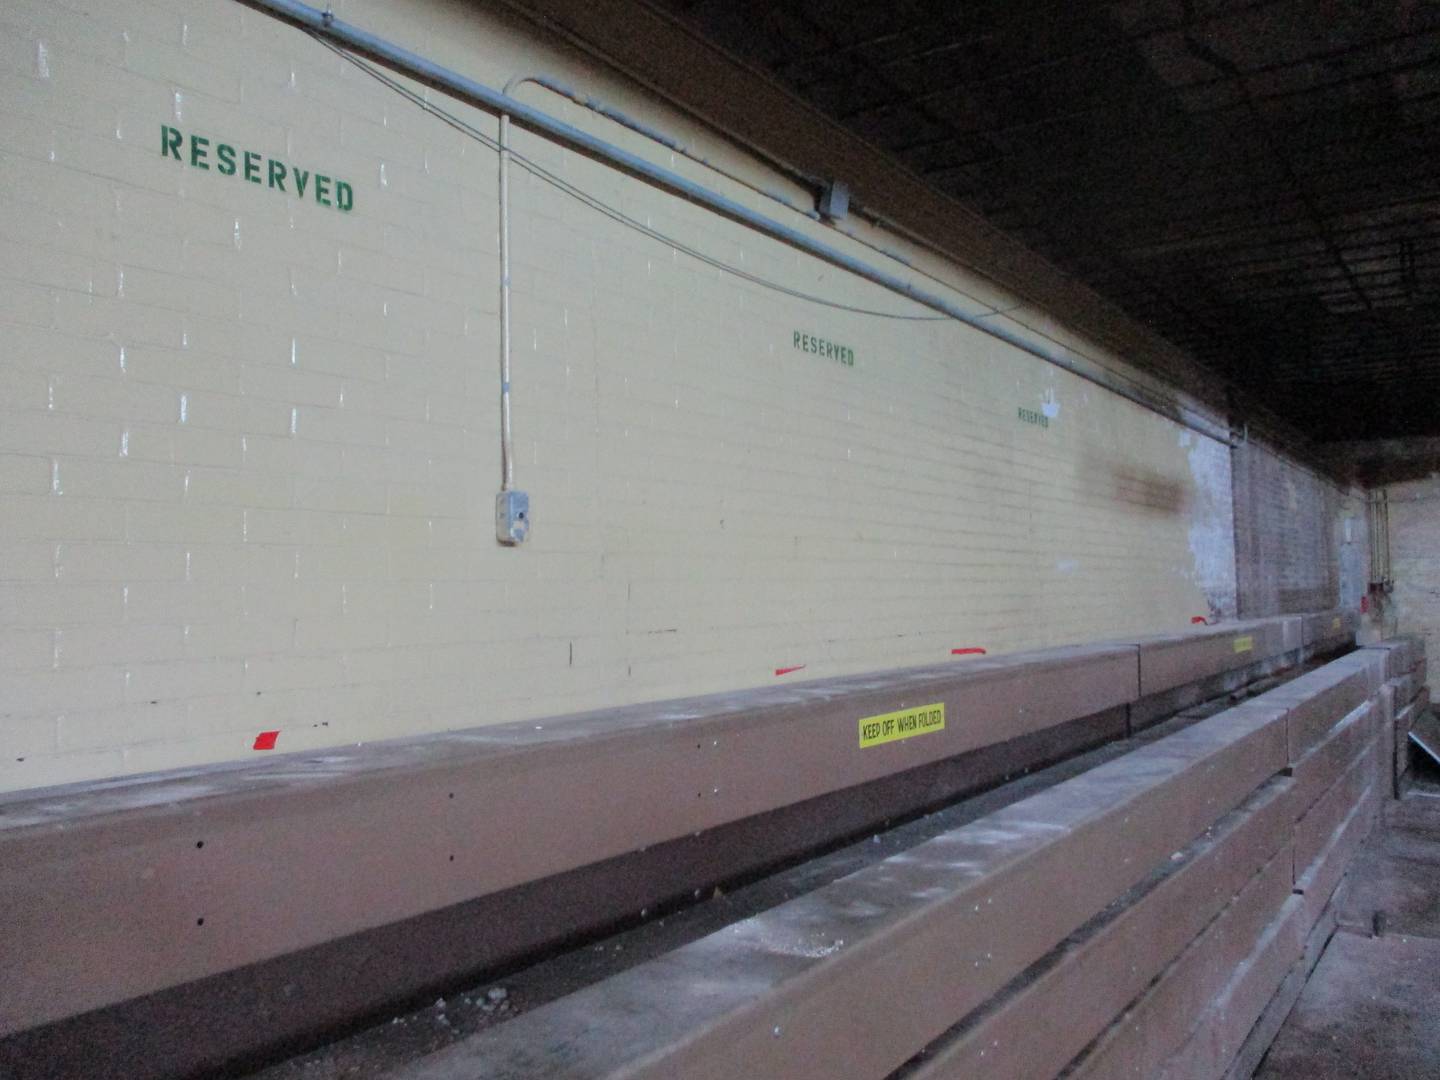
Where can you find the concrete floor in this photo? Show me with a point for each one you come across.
(1372, 1006)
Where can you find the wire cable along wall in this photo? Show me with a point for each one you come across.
(351, 40)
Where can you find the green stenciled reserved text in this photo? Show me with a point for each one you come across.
(202, 152)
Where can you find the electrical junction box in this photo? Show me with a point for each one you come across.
(512, 517)
(834, 201)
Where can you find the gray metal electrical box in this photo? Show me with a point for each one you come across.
(512, 517)
(834, 201)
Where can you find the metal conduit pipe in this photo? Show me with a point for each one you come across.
(595, 105)
(507, 457)
(507, 441)
(504, 514)
(512, 508)
(417, 67)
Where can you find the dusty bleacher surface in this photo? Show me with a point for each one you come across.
(1147, 916)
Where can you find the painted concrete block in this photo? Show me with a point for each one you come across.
(1315, 827)
(1328, 760)
(1328, 629)
(1049, 1014)
(1316, 701)
(684, 766)
(221, 363)
(1222, 1027)
(986, 900)
(1175, 659)
(1318, 879)
(1162, 1019)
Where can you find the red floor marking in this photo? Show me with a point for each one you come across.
(788, 670)
(967, 652)
(266, 740)
(1199, 620)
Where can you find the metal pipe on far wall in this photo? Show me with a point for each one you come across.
(507, 442)
(408, 63)
(655, 135)
(512, 506)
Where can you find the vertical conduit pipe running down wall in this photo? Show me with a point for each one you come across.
(324, 25)
(512, 508)
(507, 443)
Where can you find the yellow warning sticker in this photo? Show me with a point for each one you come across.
(1335, 623)
(1244, 644)
(905, 724)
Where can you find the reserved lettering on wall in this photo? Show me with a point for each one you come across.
(820, 347)
(202, 152)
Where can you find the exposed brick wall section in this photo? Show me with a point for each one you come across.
(1286, 550)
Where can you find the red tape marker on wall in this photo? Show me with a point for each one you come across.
(788, 670)
(265, 740)
(967, 652)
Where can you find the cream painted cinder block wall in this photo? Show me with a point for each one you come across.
(249, 443)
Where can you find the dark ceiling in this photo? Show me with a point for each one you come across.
(1259, 180)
